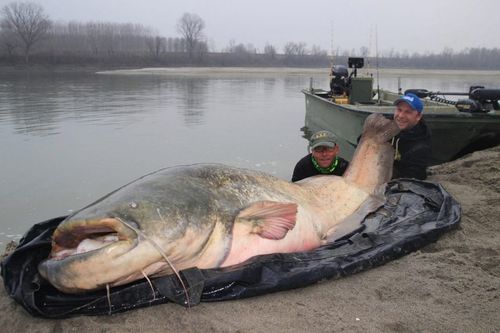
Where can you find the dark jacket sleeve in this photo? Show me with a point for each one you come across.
(296, 173)
(413, 163)
(343, 165)
(301, 170)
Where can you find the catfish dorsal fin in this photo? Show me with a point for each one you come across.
(270, 219)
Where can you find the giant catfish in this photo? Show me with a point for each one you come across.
(210, 216)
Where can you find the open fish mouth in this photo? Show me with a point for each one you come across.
(83, 236)
(90, 253)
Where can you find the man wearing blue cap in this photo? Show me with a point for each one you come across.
(413, 144)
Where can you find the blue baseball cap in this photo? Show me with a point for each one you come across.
(412, 100)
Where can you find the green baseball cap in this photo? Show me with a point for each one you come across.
(322, 138)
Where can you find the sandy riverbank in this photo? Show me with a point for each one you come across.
(283, 71)
(238, 71)
(452, 285)
(219, 71)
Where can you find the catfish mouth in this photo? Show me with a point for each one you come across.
(83, 236)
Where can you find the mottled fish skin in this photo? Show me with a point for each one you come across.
(208, 216)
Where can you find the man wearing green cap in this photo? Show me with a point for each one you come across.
(413, 144)
(322, 160)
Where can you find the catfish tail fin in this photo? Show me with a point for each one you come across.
(379, 128)
(372, 162)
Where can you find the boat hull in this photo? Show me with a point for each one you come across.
(454, 133)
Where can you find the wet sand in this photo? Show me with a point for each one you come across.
(452, 285)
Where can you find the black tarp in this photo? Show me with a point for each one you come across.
(416, 213)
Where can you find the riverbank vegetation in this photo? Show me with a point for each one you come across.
(28, 37)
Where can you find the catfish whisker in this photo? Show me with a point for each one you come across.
(158, 248)
(108, 295)
(161, 216)
(150, 285)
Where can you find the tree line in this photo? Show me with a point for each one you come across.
(27, 35)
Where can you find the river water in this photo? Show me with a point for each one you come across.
(67, 139)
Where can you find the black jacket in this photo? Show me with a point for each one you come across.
(412, 152)
(305, 168)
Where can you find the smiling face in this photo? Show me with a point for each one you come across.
(324, 155)
(405, 116)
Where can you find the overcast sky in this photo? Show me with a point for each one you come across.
(413, 26)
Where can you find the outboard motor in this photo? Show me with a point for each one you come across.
(480, 100)
(339, 80)
(468, 105)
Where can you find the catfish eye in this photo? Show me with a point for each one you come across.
(133, 204)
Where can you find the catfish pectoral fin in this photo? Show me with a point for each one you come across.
(353, 223)
(270, 219)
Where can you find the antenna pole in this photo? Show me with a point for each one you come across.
(376, 54)
(332, 56)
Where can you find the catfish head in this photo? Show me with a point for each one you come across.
(150, 227)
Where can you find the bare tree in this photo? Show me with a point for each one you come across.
(157, 45)
(239, 48)
(295, 49)
(318, 51)
(8, 41)
(364, 51)
(289, 48)
(191, 26)
(27, 21)
(270, 51)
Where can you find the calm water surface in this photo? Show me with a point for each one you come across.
(68, 139)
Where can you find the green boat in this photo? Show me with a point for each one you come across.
(458, 126)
